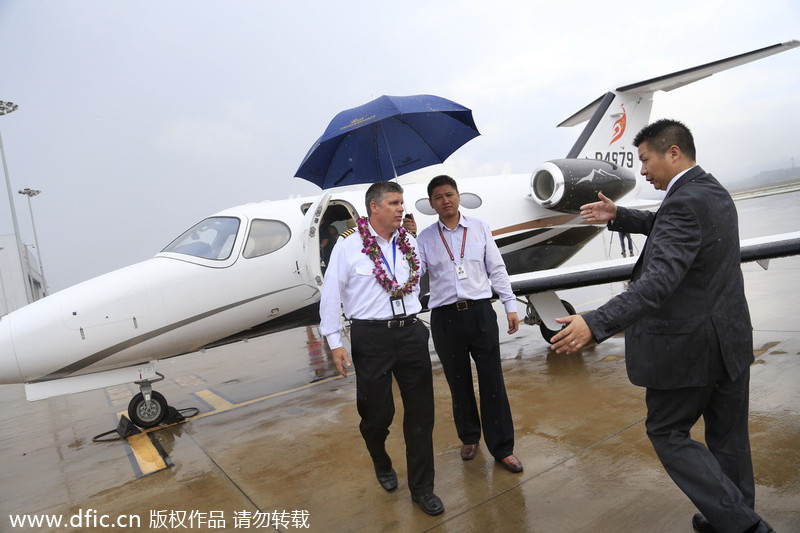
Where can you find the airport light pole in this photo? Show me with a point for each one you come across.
(30, 193)
(5, 109)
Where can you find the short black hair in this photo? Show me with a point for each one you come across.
(438, 181)
(663, 133)
(378, 191)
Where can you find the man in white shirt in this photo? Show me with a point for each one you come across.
(461, 258)
(374, 277)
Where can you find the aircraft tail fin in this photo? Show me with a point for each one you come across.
(616, 117)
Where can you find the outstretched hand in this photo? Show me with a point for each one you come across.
(601, 211)
(575, 335)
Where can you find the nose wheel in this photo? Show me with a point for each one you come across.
(147, 413)
(148, 408)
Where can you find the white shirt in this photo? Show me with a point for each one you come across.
(482, 262)
(351, 284)
(676, 178)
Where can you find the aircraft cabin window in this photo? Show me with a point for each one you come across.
(265, 237)
(212, 238)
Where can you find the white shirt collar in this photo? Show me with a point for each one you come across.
(462, 221)
(677, 177)
(375, 233)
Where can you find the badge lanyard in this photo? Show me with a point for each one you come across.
(460, 272)
(394, 260)
(398, 306)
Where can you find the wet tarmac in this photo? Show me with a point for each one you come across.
(276, 447)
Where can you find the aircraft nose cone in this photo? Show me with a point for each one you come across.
(9, 369)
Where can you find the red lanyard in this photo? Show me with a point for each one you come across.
(463, 243)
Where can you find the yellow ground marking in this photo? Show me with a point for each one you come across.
(144, 451)
(119, 395)
(217, 402)
(267, 397)
(221, 405)
(146, 454)
(189, 380)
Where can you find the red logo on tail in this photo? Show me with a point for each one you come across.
(619, 126)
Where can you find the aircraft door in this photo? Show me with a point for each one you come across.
(312, 273)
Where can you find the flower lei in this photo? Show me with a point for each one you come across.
(372, 249)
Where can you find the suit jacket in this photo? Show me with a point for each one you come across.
(685, 315)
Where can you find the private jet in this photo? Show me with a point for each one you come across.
(258, 268)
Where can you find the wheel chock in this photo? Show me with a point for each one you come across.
(124, 429)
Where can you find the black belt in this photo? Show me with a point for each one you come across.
(393, 323)
(463, 305)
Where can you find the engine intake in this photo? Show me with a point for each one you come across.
(566, 184)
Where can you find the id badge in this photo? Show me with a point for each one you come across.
(461, 272)
(398, 307)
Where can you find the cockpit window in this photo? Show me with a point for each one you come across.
(265, 237)
(212, 238)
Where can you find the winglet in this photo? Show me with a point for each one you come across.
(672, 81)
(616, 117)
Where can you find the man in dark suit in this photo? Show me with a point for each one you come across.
(688, 336)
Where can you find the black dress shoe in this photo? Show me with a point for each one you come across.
(699, 523)
(761, 527)
(388, 480)
(430, 503)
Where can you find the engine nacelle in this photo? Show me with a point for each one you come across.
(566, 184)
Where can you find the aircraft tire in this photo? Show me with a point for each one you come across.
(147, 415)
(547, 333)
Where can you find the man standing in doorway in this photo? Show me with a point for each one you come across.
(461, 258)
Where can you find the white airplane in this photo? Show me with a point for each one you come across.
(257, 268)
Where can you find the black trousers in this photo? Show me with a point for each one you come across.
(456, 336)
(718, 478)
(379, 353)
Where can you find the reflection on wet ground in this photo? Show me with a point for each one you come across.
(278, 431)
(579, 432)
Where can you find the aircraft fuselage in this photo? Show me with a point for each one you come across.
(223, 277)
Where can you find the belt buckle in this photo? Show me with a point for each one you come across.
(394, 324)
(462, 305)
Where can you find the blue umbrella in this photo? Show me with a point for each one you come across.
(385, 138)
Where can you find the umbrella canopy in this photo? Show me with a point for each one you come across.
(385, 138)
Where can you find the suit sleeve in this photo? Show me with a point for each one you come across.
(672, 247)
(632, 221)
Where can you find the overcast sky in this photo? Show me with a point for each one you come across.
(139, 118)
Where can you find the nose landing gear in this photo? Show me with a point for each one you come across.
(148, 408)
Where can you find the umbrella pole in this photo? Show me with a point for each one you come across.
(388, 151)
(386, 142)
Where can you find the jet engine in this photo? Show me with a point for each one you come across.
(566, 184)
